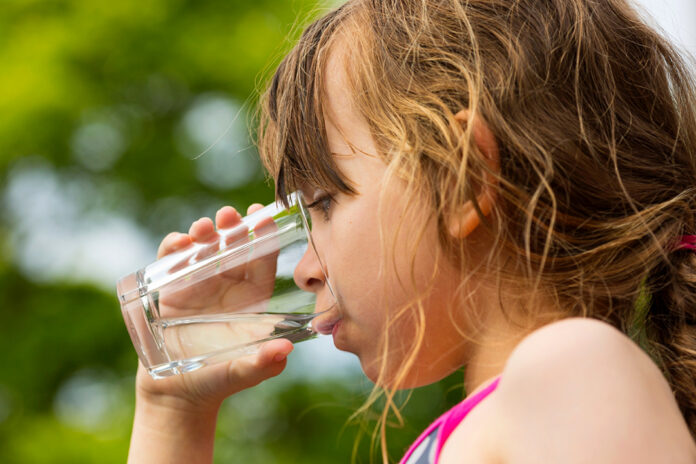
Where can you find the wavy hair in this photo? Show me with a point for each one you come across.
(594, 113)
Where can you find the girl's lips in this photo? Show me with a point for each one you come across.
(325, 322)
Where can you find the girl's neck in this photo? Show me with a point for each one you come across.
(488, 362)
(494, 345)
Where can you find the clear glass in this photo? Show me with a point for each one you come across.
(217, 301)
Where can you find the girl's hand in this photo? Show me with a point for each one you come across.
(207, 387)
(177, 410)
(248, 283)
(175, 417)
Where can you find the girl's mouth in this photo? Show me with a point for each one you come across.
(327, 321)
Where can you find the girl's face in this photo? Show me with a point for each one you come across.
(346, 232)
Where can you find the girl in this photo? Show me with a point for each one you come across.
(506, 185)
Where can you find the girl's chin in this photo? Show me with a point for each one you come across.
(372, 370)
(370, 359)
(338, 333)
(411, 379)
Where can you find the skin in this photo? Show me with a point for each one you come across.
(362, 286)
(175, 417)
(572, 391)
(368, 296)
(575, 391)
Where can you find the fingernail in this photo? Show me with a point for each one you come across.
(279, 357)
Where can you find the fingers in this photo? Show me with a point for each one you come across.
(227, 217)
(211, 385)
(261, 266)
(268, 362)
(254, 208)
(235, 233)
(263, 263)
(202, 230)
(274, 351)
(173, 242)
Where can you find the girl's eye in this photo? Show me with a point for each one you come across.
(323, 203)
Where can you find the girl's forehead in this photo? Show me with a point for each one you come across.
(347, 130)
(311, 114)
(337, 97)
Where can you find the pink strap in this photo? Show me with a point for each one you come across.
(449, 421)
(422, 437)
(688, 242)
(457, 414)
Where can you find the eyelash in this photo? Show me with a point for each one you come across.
(323, 204)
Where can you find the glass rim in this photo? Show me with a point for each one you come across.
(310, 240)
(140, 288)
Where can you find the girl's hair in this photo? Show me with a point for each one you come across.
(595, 117)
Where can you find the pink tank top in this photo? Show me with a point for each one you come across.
(426, 449)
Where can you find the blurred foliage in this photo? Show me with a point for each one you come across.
(83, 77)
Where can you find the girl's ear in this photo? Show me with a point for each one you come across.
(467, 218)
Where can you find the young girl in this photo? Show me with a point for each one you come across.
(506, 185)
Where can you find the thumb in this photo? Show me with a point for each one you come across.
(270, 361)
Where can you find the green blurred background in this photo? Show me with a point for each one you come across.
(105, 108)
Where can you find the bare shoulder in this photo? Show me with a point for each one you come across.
(567, 346)
(579, 390)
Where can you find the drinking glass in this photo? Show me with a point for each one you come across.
(212, 302)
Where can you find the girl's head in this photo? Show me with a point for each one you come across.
(527, 159)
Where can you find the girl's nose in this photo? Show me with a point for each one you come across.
(308, 274)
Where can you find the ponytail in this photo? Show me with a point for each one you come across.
(671, 327)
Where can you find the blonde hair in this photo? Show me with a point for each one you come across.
(595, 117)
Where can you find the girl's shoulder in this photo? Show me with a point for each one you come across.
(579, 390)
